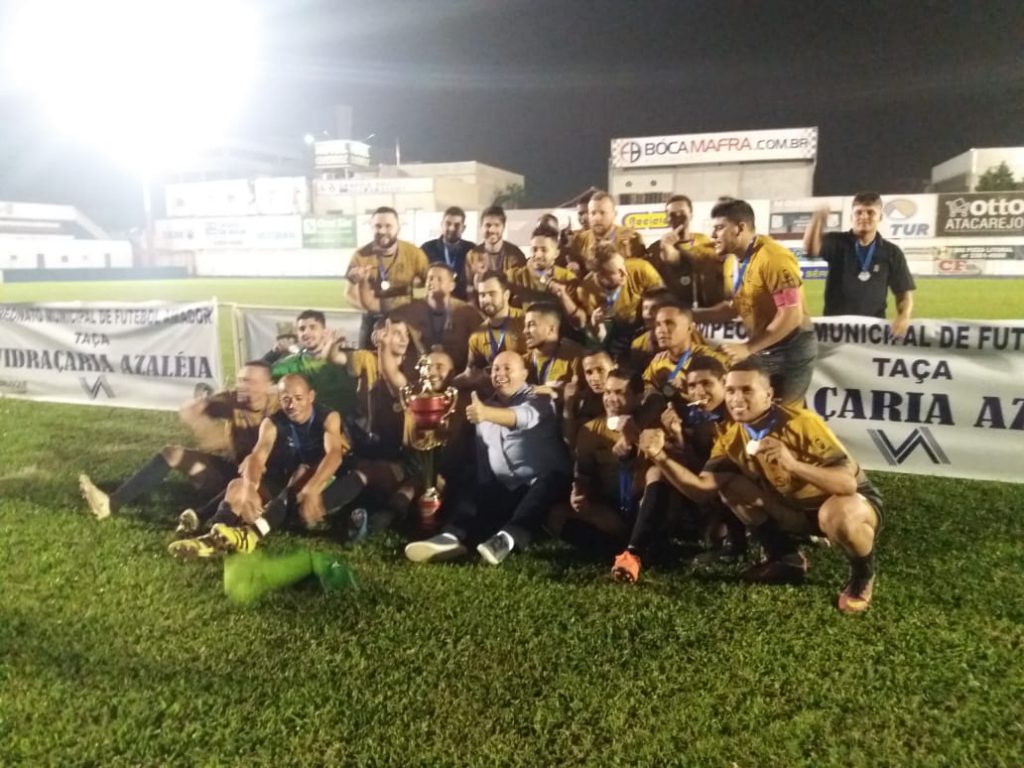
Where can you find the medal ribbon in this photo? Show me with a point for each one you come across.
(865, 256)
(741, 267)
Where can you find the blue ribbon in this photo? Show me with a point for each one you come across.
(542, 373)
(625, 487)
(680, 364)
(611, 298)
(865, 256)
(757, 434)
(496, 345)
(741, 267)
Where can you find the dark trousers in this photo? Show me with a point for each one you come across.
(283, 509)
(790, 365)
(482, 511)
(366, 329)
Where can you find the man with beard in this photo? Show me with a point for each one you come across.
(321, 361)
(785, 474)
(522, 470)
(603, 229)
(389, 269)
(440, 321)
(768, 296)
(501, 330)
(862, 265)
(226, 426)
(295, 462)
(609, 299)
(686, 260)
(494, 253)
(551, 362)
(535, 281)
(450, 248)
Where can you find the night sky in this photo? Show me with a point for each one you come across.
(540, 87)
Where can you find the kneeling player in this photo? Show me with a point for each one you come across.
(298, 452)
(786, 475)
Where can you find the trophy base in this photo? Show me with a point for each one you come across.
(428, 506)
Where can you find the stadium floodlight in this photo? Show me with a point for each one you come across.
(151, 82)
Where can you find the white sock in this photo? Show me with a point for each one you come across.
(508, 538)
(262, 526)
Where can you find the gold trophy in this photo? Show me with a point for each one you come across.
(428, 411)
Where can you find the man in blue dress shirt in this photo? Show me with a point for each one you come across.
(523, 468)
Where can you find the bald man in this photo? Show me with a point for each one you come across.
(295, 463)
(523, 469)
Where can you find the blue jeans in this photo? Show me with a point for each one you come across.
(790, 365)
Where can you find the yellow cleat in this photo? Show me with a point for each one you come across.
(242, 539)
(98, 501)
(194, 549)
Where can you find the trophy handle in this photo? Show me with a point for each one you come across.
(405, 395)
(452, 397)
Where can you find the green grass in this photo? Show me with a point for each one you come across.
(988, 299)
(113, 654)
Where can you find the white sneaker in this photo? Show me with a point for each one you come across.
(436, 550)
(98, 501)
(188, 522)
(496, 548)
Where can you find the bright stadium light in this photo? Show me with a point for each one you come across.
(151, 82)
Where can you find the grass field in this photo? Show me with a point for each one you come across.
(112, 654)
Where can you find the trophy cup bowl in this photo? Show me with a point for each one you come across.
(428, 409)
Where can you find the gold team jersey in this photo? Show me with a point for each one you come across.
(399, 272)
(510, 257)
(450, 330)
(771, 268)
(622, 304)
(806, 435)
(487, 341)
(660, 370)
(565, 365)
(528, 286)
(363, 364)
(627, 242)
(596, 462)
(242, 424)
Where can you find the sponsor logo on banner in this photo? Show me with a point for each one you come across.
(92, 389)
(395, 186)
(896, 453)
(731, 147)
(908, 216)
(329, 232)
(652, 220)
(984, 251)
(959, 267)
(981, 213)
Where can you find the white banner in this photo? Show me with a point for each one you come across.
(710, 148)
(229, 232)
(947, 400)
(257, 328)
(147, 355)
(265, 196)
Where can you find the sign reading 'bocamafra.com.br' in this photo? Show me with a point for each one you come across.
(728, 147)
(150, 355)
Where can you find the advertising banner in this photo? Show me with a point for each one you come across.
(977, 214)
(247, 232)
(329, 232)
(238, 197)
(709, 148)
(944, 400)
(147, 355)
(790, 218)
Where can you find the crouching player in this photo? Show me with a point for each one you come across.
(299, 450)
(786, 475)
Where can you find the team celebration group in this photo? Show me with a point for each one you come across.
(587, 405)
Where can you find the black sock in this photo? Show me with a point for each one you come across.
(777, 544)
(863, 568)
(343, 491)
(143, 481)
(650, 515)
